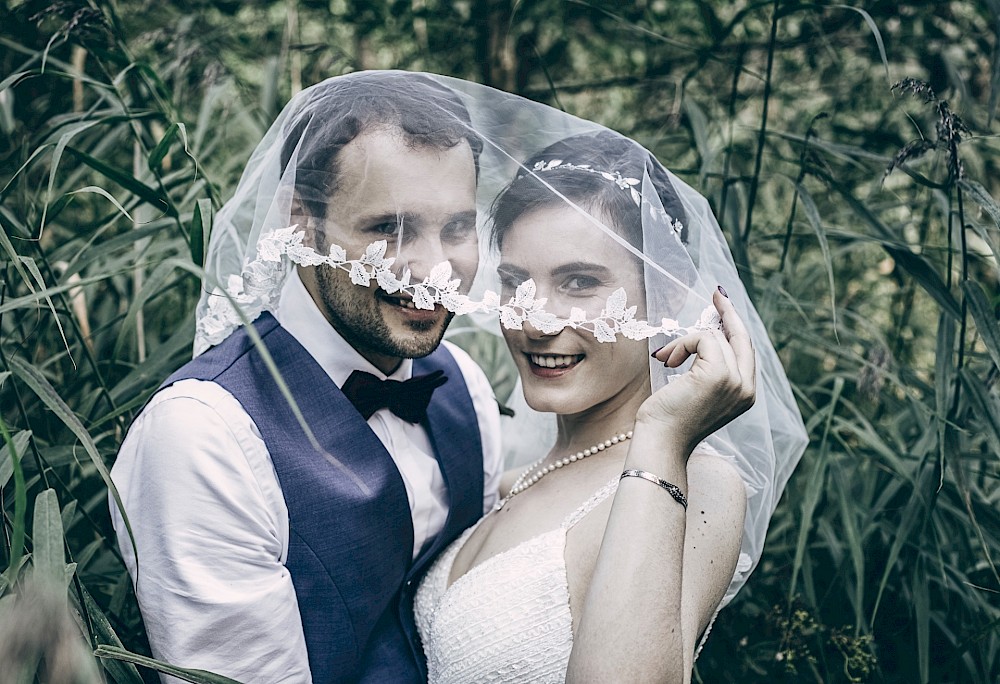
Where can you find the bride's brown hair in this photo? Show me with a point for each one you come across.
(604, 151)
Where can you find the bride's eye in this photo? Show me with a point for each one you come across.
(579, 285)
(509, 281)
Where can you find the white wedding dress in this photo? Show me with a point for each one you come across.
(508, 618)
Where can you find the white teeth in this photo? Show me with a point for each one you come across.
(553, 361)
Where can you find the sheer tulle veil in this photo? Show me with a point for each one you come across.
(648, 220)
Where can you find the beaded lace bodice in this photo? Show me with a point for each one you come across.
(508, 618)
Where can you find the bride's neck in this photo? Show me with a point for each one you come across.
(602, 421)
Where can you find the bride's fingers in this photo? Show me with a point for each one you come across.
(737, 335)
(706, 344)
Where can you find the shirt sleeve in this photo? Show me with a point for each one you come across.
(210, 530)
(488, 417)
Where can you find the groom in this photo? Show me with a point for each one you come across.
(256, 556)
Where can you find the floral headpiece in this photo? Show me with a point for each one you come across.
(613, 176)
(623, 182)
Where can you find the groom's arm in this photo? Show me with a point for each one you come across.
(211, 533)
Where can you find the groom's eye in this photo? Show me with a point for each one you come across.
(386, 230)
(459, 231)
(579, 284)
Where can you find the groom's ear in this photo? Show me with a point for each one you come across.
(300, 216)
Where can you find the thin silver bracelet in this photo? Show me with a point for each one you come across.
(671, 488)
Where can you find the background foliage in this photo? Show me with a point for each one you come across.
(125, 124)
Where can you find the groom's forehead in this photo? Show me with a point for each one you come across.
(384, 172)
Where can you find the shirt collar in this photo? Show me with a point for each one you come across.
(299, 315)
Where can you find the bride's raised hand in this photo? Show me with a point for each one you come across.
(719, 386)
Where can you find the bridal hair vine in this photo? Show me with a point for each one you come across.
(613, 176)
(258, 287)
(626, 183)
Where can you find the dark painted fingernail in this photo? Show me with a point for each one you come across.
(657, 351)
(723, 292)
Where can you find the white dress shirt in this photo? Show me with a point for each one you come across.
(210, 522)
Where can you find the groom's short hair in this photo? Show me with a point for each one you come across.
(422, 110)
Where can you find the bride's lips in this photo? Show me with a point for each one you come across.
(404, 306)
(552, 365)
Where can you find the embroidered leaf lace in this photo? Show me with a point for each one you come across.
(256, 289)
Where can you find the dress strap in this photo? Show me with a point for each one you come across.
(590, 504)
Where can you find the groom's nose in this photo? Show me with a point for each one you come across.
(422, 255)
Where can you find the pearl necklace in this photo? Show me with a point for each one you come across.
(523, 481)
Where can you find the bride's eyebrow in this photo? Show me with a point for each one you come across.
(513, 271)
(581, 267)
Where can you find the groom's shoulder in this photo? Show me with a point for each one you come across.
(187, 402)
(479, 387)
(469, 368)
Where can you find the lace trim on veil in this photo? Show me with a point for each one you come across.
(256, 290)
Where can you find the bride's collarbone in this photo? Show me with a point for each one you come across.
(541, 508)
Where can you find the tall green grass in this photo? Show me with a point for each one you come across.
(861, 215)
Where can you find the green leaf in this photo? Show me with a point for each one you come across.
(33, 298)
(103, 633)
(855, 547)
(903, 534)
(103, 193)
(155, 284)
(18, 445)
(127, 181)
(20, 509)
(40, 281)
(47, 539)
(201, 229)
(984, 404)
(914, 264)
(875, 32)
(13, 79)
(159, 152)
(815, 487)
(812, 213)
(41, 387)
(57, 153)
(15, 258)
(922, 617)
(982, 197)
(188, 675)
(986, 321)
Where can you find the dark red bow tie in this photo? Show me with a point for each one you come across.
(407, 399)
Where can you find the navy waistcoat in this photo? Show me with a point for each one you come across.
(350, 542)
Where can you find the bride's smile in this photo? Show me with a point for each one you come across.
(553, 365)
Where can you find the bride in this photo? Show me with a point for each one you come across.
(608, 558)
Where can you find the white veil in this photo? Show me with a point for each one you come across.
(677, 246)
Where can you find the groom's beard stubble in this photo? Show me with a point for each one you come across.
(359, 314)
